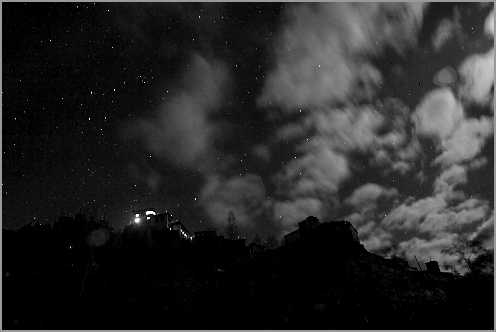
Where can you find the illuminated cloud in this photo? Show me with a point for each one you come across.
(374, 238)
(444, 32)
(477, 75)
(489, 24)
(319, 53)
(449, 178)
(320, 61)
(319, 170)
(438, 114)
(348, 129)
(447, 210)
(367, 195)
(446, 76)
(454, 219)
(408, 215)
(466, 142)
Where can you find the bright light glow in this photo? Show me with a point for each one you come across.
(147, 218)
(150, 212)
(137, 220)
(136, 215)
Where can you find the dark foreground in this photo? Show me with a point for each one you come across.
(152, 279)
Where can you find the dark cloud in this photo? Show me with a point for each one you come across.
(245, 196)
(181, 130)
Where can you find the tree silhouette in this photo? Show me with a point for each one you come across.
(232, 231)
(473, 255)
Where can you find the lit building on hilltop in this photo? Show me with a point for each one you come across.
(181, 229)
(146, 215)
(164, 221)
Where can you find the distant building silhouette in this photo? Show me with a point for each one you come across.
(207, 235)
(292, 238)
(432, 266)
(400, 263)
(312, 229)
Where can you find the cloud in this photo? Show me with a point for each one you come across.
(466, 141)
(425, 249)
(444, 32)
(320, 52)
(489, 24)
(181, 131)
(321, 164)
(146, 174)
(309, 183)
(261, 151)
(449, 178)
(485, 233)
(478, 163)
(352, 128)
(477, 75)
(349, 129)
(446, 76)
(320, 61)
(367, 195)
(438, 114)
(408, 215)
(244, 195)
(454, 219)
(374, 238)
(400, 159)
(321, 169)
(365, 200)
(442, 213)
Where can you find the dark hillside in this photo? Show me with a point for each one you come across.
(144, 278)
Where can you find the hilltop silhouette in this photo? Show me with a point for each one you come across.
(81, 274)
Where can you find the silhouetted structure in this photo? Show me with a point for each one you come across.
(255, 249)
(432, 266)
(310, 229)
(81, 274)
(181, 229)
(400, 263)
(232, 231)
(205, 235)
(144, 216)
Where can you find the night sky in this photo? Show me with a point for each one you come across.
(379, 114)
